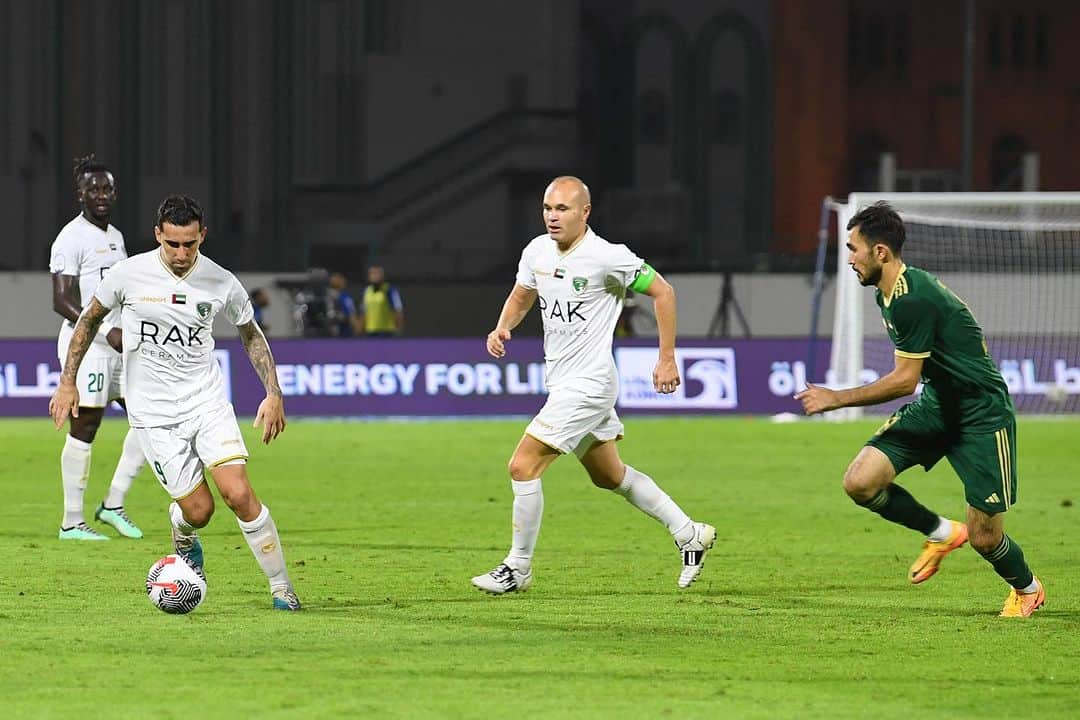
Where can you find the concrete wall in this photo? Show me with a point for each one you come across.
(256, 107)
(774, 305)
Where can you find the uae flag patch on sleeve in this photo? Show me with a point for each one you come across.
(179, 299)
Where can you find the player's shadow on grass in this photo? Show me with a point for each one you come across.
(595, 616)
(397, 547)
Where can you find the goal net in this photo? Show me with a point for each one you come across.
(1014, 258)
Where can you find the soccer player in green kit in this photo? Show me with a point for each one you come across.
(964, 414)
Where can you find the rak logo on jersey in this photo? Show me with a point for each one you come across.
(187, 336)
(203, 309)
(567, 311)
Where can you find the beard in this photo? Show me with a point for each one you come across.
(871, 277)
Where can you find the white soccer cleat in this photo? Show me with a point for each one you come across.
(503, 579)
(693, 552)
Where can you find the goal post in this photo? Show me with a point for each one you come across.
(1014, 258)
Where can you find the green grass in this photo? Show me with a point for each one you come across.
(803, 611)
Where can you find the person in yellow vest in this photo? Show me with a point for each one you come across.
(382, 312)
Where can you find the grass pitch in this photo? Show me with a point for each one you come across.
(803, 609)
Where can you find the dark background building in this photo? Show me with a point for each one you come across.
(421, 133)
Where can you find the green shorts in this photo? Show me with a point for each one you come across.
(917, 434)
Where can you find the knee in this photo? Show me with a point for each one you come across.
(521, 469)
(859, 486)
(198, 513)
(240, 499)
(85, 428)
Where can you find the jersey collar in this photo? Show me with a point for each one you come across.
(581, 241)
(174, 275)
(95, 228)
(887, 298)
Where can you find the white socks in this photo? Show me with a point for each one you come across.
(262, 537)
(942, 531)
(643, 493)
(176, 517)
(129, 465)
(74, 473)
(528, 509)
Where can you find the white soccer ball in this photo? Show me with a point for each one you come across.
(1057, 394)
(174, 586)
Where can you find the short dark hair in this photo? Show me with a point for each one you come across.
(85, 165)
(880, 223)
(179, 210)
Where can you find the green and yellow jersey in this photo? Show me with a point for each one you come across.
(927, 320)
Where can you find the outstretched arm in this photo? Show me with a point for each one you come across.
(271, 414)
(65, 400)
(901, 381)
(517, 306)
(666, 374)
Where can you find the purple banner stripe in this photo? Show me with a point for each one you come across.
(457, 377)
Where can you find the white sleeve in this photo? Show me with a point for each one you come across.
(65, 257)
(110, 291)
(526, 278)
(238, 308)
(623, 265)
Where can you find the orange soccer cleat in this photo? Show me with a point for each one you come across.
(1020, 604)
(934, 552)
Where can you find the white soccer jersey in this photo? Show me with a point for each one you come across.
(581, 297)
(84, 250)
(169, 363)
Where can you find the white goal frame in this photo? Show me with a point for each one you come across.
(846, 359)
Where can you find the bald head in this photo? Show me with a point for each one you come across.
(567, 204)
(572, 184)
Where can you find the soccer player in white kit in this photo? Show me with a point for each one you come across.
(81, 255)
(580, 280)
(176, 397)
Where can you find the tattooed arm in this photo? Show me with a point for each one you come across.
(271, 414)
(65, 400)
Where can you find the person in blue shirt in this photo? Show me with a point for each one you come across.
(260, 300)
(346, 319)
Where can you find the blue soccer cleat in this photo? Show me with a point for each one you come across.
(285, 599)
(119, 520)
(82, 531)
(189, 548)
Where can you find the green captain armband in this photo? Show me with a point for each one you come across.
(643, 279)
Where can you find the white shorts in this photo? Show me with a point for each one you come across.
(179, 453)
(101, 375)
(571, 422)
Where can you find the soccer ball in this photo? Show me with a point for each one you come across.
(174, 586)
